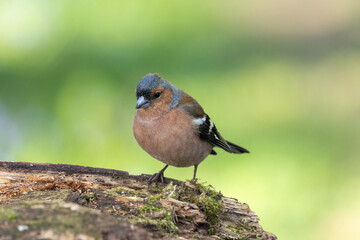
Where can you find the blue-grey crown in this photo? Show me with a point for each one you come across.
(148, 83)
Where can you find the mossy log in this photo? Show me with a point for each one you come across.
(58, 201)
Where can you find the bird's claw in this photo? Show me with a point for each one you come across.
(159, 176)
(194, 180)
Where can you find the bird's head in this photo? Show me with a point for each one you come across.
(153, 92)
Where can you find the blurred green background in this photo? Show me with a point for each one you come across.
(280, 78)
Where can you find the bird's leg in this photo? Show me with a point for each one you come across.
(195, 169)
(159, 176)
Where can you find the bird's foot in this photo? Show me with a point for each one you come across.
(194, 179)
(159, 176)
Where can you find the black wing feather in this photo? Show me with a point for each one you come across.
(209, 132)
(207, 129)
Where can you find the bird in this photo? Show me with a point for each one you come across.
(172, 127)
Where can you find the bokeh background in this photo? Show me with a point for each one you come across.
(280, 78)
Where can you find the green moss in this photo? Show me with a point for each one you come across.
(111, 192)
(153, 205)
(207, 198)
(89, 196)
(243, 230)
(155, 214)
(155, 188)
(8, 214)
(167, 223)
(196, 235)
(121, 191)
(114, 191)
(212, 208)
(126, 191)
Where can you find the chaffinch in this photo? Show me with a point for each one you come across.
(172, 127)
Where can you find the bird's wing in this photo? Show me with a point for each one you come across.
(209, 132)
(206, 128)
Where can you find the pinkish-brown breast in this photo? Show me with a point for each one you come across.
(171, 138)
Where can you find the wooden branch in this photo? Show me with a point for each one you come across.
(59, 201)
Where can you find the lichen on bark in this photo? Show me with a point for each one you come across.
(70, 202)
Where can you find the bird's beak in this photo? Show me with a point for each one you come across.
(142, 103)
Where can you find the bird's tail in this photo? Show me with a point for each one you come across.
(236, 149)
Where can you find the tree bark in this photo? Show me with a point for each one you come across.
(58, 201)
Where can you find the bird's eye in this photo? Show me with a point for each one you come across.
(157, 95)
